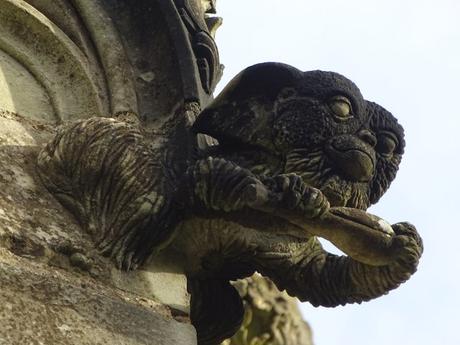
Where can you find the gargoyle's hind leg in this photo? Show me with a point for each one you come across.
(324, 279)
(104, 172)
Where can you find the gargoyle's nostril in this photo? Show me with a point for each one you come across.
(353, 155)
(368, 137)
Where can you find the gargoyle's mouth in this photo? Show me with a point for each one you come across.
(355, 164)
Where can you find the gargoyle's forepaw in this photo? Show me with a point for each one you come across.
(298, 196)
(255, 194)
(318, 202)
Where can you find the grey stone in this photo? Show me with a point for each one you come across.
(42, 305)
(55, 287)
(181, 192)
(64, 60)
(295, 160)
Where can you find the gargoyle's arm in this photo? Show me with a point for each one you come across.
(324, 279)
(217, 184)
(222, 185)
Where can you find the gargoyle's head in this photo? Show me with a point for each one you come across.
(317, 124)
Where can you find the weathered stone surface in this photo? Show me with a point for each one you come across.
(74, 87)
(271, 317)
(48, 305)
(296, 159)
(21, 92)
(103, 57)
(154, 196)
(55, 288)
(68, 59)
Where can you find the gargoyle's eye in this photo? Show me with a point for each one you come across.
(341, 106)
(386, 143)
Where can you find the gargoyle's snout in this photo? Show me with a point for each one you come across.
(353, 155)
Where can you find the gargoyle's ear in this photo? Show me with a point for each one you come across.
(389, 148)
(241, 112)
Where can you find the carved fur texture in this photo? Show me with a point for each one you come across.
(106, 174)
(297, 155)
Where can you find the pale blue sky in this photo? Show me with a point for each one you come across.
(404, 55)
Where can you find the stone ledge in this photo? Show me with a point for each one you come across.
(44, 305)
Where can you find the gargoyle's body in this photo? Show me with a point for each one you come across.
(299, 155)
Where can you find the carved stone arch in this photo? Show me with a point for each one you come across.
(112, 55)
(103, 57)
(171, 51)
(57, 64)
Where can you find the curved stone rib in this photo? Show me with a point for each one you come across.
(53, 59)
(112, 54)
(21, 93)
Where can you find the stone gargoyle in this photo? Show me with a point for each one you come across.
(300, 155)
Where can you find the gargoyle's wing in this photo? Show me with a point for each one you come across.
(244, 107)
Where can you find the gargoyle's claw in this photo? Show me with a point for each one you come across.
(255, 194)
(296, 195)
(319, 203)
